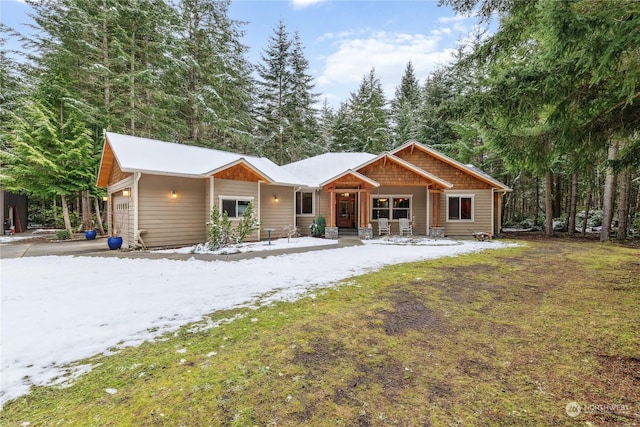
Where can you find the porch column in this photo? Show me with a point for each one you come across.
(331, 220)
(367, 220)
(436, 208)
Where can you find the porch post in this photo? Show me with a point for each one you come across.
(330, 220)
(367, 198)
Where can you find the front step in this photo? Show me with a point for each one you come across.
(347, 232)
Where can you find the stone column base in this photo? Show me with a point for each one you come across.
(365, 233)
(436, 232)
(331, 232)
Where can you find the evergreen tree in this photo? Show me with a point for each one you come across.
(369, 118)
(326, 124)
(300, 106)
(287, 118)
(50, 153)
(405, 108)
(214, 75)
(275, 81)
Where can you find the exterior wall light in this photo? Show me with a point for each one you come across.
(174, 195)
(126, 192)
(105, 198)
(275, 198)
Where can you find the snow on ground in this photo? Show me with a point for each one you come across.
(58, 310)
(293, 243)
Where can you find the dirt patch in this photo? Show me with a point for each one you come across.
(319, 354)
(410, 314)
(461, 283)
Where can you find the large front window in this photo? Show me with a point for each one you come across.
(390, 207)
(234, 207)
(304, 203)
(460, 208)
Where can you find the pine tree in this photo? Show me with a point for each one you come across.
(369, 118)
(300, 106)
(326, 123)
(405, 108)
(50, 152)
(275, 80)
(214, 75)
(288, 125)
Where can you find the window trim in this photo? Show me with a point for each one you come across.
(313, 204)
(237, 199)
(462, 196)
(391, 197)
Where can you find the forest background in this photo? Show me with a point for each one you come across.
(547, 103)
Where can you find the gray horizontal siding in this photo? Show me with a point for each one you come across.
(481, 215)
(168, 221)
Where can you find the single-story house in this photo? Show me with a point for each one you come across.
(164, 192)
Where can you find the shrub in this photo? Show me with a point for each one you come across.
(247, 225)
(63, 235)
(317, 226)
(221, 231)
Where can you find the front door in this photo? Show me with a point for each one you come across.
(346, 210)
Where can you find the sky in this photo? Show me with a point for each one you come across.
(51, 318)
(343, 40)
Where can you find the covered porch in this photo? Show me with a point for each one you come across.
(387, 187)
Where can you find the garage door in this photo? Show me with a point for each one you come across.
(121, 218)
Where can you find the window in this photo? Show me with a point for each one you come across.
(401, 207)
(395, 207)
(234, 207)
(380, 208)
(304, 203)
(460, 208)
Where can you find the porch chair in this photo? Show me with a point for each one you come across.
(405, 227)
(384, 226)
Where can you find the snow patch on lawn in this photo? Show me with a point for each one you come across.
(57, 311)
(276, 244)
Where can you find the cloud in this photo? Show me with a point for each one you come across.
(302, 4)
(388, 52)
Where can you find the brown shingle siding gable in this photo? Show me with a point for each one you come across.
(460, 179)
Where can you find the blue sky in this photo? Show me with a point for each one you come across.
(343, 40)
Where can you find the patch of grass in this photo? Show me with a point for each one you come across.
(506, 337)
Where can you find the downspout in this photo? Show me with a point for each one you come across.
(136, 199)
(211, 197)
(295, 203)
(428, 213)
(493, 225)
(259, 210)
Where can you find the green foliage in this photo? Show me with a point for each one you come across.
(288, 124)
(221, 232)
(248, 224)
(220, 229)
(317, 226)
(63, 235)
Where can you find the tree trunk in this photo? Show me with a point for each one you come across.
(573, 202)
(96, 205)
(608, 200)
(86, 211)
(623, 205)
(557, 197)
(586, 210)
(548, 205)
(65, 215)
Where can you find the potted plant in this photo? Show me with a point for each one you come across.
(89, 230)
(115, 240)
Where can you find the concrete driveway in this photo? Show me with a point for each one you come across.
(44, 247)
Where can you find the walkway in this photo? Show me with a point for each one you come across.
(98, 248)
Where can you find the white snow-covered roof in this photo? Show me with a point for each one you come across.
(316, 170)
(135, 154)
